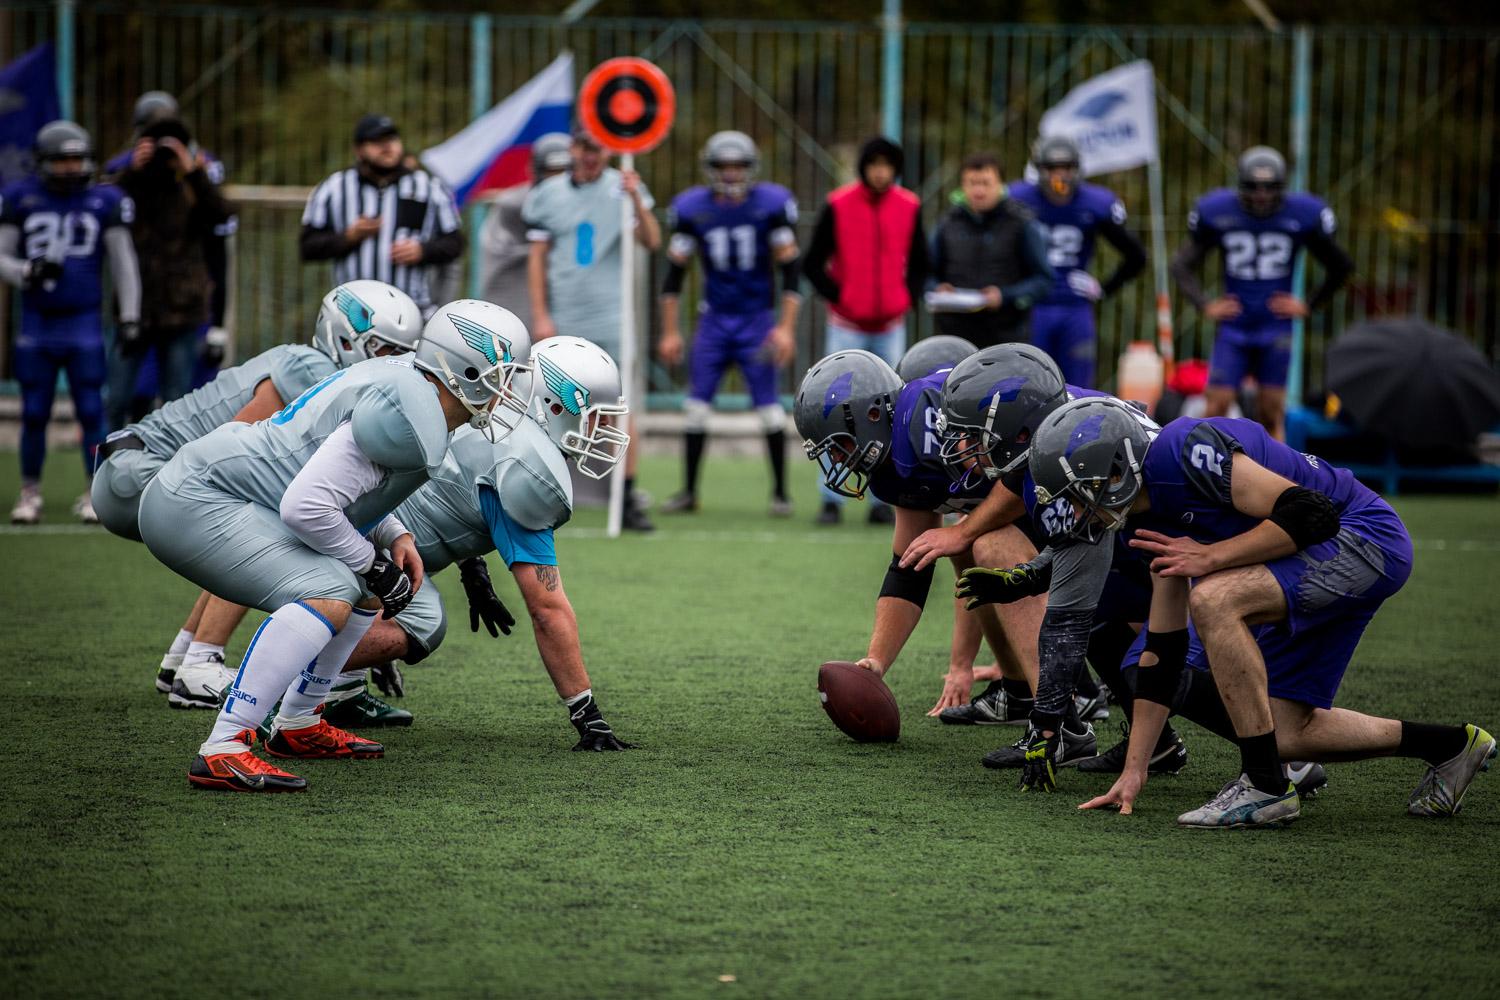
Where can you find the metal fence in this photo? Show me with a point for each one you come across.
(1402, 125)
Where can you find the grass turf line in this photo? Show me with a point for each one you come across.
(746, 837)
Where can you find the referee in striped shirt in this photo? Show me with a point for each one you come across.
(381, 218)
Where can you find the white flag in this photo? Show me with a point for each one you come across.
(1112, 118)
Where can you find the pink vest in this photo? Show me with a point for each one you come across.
(872, 238)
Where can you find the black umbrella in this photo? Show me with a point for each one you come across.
(1414, 383)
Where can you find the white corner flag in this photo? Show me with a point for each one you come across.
(1112, 117)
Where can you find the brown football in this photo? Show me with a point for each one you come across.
(858, 702)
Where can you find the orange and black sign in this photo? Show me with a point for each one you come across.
(627, 104)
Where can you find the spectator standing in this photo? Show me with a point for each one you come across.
(990, 243)
(574, 225)
(177, 209)
(503, 247)
(868, 258)
(383, 218)
(55, 228)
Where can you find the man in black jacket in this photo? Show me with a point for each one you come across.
(991, 244)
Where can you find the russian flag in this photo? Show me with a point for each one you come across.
(494, 150)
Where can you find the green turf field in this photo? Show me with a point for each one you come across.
(746, 838)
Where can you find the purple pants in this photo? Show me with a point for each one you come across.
(723, 340)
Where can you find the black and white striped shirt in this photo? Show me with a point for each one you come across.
(414, 206)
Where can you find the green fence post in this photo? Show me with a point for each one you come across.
(66, 13)
(891, 70)
(479, 102)
(1301, 88)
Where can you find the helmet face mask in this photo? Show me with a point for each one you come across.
(844, 412)
(576, 397)
(365, 319)
(993, 401)
(64, 142)
(1262, 181)
(1058, 162)
(480, 352)
(730, 162)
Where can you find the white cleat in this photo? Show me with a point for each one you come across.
(83, 509)
(1241, 804)
(201, 684)
(1441, 790)
(28, 508)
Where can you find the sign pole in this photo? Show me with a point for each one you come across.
(627, 343)
(1164, 337)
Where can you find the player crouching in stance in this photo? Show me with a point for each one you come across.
(510, 497)
(868, 430)
(275, 514)
(1246, 533)
(358, 320)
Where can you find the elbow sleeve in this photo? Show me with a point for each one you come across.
(909, 585)
(1306, 515)
(672, 283)
(1159, 683)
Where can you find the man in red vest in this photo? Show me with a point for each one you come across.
(868, 258)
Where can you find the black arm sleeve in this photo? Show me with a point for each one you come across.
(916, 263)
(322, 244)
(1079, 572)
(216, 256)
(1185, 263)
(791, 278)
(676, 274)
(1132, 253)
(815, 261)
(443, 247)
(1337, 266)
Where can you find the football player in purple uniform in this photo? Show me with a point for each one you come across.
(1073, 214)
(55, 230)
(1259, 230)
(742, 230)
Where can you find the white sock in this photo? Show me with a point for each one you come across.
(180, 644)
(299, 705)
(295, 634)
(197, 652)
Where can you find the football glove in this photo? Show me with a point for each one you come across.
(389, 584)
(387, 677)
(1002, 586)
(593, 732)
(1085, 284)
(1038, 773)
(128, 336)
(483, 603)
(41, 271)
(214, 347)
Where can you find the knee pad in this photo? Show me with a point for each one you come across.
(772, 417)
(695, 415)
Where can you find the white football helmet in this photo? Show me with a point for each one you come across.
(576, 396)
(482, 353)
(360, 317)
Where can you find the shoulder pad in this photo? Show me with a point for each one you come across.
(294, 368)
(531, 477)
(1206, 456)
(398, 422)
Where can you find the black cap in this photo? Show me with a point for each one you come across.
(372, 127)
(881, 148)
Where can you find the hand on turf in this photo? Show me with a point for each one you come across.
(389, 585)
(593, 732)
(958, 686)
(387, 677)
(982, 585)
(484, 604)
(873, 665)
(1175, 556)
(1121, 794)
(1039, 772)
(933, 544)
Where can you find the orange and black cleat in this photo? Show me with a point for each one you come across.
(242, 772)
(321, 742)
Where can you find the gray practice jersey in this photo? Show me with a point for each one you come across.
(395, 417)
(292, 369)
(527, 473)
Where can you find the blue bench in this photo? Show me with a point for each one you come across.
(1306, 427)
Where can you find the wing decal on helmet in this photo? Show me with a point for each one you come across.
(838, 392)
(482, 339)
(573, 397)
(1088, 429)
(1006, 390)
(360, 316)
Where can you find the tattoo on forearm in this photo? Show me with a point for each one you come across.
(547, 576)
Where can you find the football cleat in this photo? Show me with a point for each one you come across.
(994, 706)
(1241, 804)
(1441, 790)
(1170, 756)
(241, 772)
(365, 711)
(28, 508)
(829, 514)
(1071, 750)
(1309, 778)
(1093, 708)
(83, 509)
(634, 519)
(321, 742)
(781, 507)
(680, 503)
(201, 684)
(167, 672)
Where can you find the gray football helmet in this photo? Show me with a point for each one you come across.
(363, 319)
(1057, 153)
(993, 402)
(576, 396)
(844, 412)
(1090, 451)
(550, 154)
(64, 140)
(482, 353)
(932, 354)
(725, 149)
(1262, 180)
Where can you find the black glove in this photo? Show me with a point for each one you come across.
(387, 677)
(593, 732)
(1039, 773)
(483, 604)
(41, 270)
(214, 346)
(1002, 586)
(128, 337)
(390, 585)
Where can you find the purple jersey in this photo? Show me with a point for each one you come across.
(68, 228)
(1187, 475)
(1258, 252)
(1071, 230)
(736, 242)
(913, 476)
